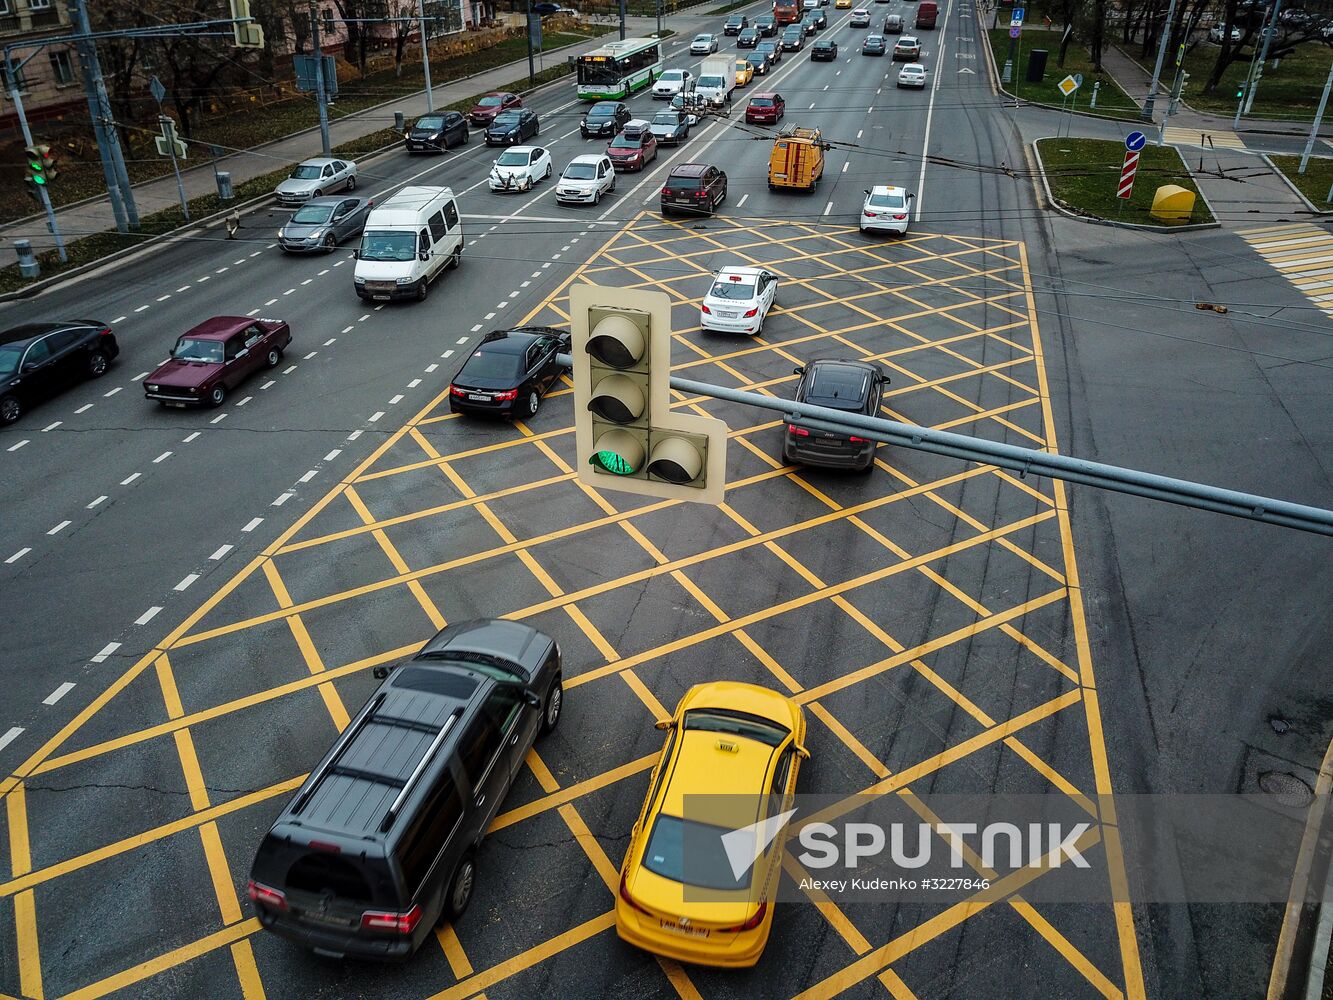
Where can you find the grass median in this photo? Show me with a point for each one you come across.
(1083, 175)
(1287, 92)
(1315, 183)
(1111, 100)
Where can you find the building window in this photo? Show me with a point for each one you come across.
(329, 27)
(18, 76)
(39, 4)
(61, 67)
(5, 9)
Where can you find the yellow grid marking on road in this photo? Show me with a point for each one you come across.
(392, 553)
(830, 910)
(220, 872)
(252, 987)
(173, 958)
(453, 951)
(896, 987)
(313, 661)
(25, 929)
(16, 814)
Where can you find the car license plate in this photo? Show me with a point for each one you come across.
(380, 298)
(725, 315)
(179, 406)
(478, 398)
(675, 928)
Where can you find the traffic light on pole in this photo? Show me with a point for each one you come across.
(627, 436)
(248, 35)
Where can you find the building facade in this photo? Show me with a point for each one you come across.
(49, 78)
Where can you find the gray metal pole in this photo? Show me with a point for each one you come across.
(1146, 113)
(99, 132)
(27, 138)
(425, 54)
(532, 72)
(622, 20)
(321, 95)
(1318, 120)
(107, 119)
(1269, 31)
(169, 132)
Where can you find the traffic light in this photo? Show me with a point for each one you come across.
(248, 35)
(627, 436)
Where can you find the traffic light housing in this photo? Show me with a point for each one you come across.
(247, 35)
(41, 165)
(627, 436)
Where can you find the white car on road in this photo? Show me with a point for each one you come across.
(586, 179)
(316, 178)
(887, 210)
(739, 300)
(860, 18)
(703, 45)
(519, 168)
(671, 83)
(912, 75)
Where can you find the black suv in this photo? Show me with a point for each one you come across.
(854, 386)
(736, 23)
(509, 372)
(379, 844)
(38, 360)
(694, 187)
(436, 133)
(604, 119)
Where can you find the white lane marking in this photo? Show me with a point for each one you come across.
(255, 522)
(504, 304)
(860, 132)
(447, 353)
(340, 263)
(488, 316)
(192, 436)
(546, 265)
(463, 340)
(141, 375)
(100, 500)
(347, 329)
(147, 616)
(121, 319)
(374, 417)
(535, 274)
(221, 551)
(379, 307)
(289, 291)
(310, 355)
(108, 395)
(396, 399)
(289, 369)
(185, 583)
(236, 262)
(162, 457)
(309, 475)
(18, 555)
(183, 288)
(812, 106)
(828, 208)
(14, 733)
(218, 419)
(84, 408)
(354, 435)
(51, 427)
(129, 479)
(163, 298)
(58, 693)
(478, 326)
(573, 241)
(105, 651)
(141, 309)
(198, 280)
(307, 281)
(333, 454)
(431, 367)
(362, 319)
(221, 269)
(330, 341)
(846, 165)
(744, 198)
(256, 253)
(322, 273)
(524, 285)
(555, 256)
(270, 302)
(268, 385)
(60, 527)
(282, 500)
(414, 383)
(252, 312)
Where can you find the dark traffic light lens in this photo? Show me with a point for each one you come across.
(610, 351)
(610, 408)
(670, 471)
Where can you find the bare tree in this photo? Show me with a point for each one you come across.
(401, 30)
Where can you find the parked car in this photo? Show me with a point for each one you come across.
(704, 44)
(860, 18)
(605, 118)
(39, 360)
(739, 300)
(546, 9)
(671, 127)
(490, 105)
(316, 178)
(873, 45)
(671, 83)
(765, 109)
(907, 49)
(841, 384)
(887, 210)
(216, 356)
(634, 148)
(1217, 33)
(912, 75)
(735, 24)
(379, 845)
(436, 133)
(694, 187)
(513, 126)
(509, 372)
(519, 168)
(586, 179)
(824, 50)
(748, 38)
(322, 223)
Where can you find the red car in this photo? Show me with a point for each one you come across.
(765, 109)
(491, 105)
(215, 357)
(634, 148)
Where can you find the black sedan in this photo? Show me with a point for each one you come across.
(509, 372)
(39, 360)
(321, 224)
(758, 62)
(436, 133)
(874, 45)
(840, 384)
(824, 50)
(604, 119)
(512, 127)
(748, 38)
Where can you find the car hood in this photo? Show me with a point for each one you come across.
(579, 184)
(294, 186)
(184, 374)
(666, 86)
(383, 270)
(624, 154)
(301, 231)
(494, 129)
(425, 133)
(517, 171)
(483, 112)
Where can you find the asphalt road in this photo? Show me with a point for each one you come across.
(121, 518)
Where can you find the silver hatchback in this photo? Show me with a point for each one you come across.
(322, 223)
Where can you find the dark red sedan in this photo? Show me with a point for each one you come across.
(490, 105)
(765, 109)
(215, 357)
(634, 147)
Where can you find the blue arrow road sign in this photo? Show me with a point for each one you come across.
(1135, 141)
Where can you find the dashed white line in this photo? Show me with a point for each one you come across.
(379, 307)
(431, 367)
(322, 273)
(163, 298)
(289, 369)
(742, 201)
(141, 309)
(354, 435)
(198, 280)
(307, 281)
(447, 353)
(462, 340)
(812, 106)
(58, 693)
(309, 475)
(252, 312)
(9, 737)
(546, 265)
(524, 285)
(281, 500)
(255, 522)
(310, 355)
(503, 305)
(162, 457)
(414, 383)
(374, 417)
(555, 256)
(102, 499)
(19, 554)
(396, 400)
(330, 341)
(244, 401)
(236, 262)
(130, 478)
(362, 319)
(119, 319)
(108, 395)
(147, 616)
(185, 583)
(536, 274)
(289, 291)
(270, 302)
(60, 527)
(478, 326)
(106, 651)
(268, 385)
(846, 165)
(84, 408)
(347, 329)
(192, 436)
(139, 377)
(340, 263)
(51, 427)
(860, 133)
(221, 551)
(256, 253)
(218, 419)
(828, 208)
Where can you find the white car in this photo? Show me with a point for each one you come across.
(316, 178)
(860, 18)
(810, 5)
(671, 83)
(586, 179)
(912, 75)
(519, 168)
(1216, 34)
(739, 300)
(703, 45)
(887, 210)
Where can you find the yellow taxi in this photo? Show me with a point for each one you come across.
(744, 72)
(842, 4)
(687, 888)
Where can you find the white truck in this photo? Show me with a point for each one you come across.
(716, 81)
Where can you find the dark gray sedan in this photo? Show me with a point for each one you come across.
(671, 127)
(322, 223)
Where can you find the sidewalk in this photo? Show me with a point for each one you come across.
(95, 216)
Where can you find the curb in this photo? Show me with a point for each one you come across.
(1077, 216)
(1294, 189)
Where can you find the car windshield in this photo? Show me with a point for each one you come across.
(313, 215)
(379, 244)
(580, 172)
(886, 201)
(838, 386)
(709, 868)
(491, 365)
(513, 158)
(431, 124)
(305, 172)
(668, 118)
(9, 358)
(670, 76)
(734, 287)
(602, 111)
(189, 349)
(624, 141)
(506, 118)
(489, 102)
(737, 724)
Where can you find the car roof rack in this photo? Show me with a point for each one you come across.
(415, 776)
(357, 725)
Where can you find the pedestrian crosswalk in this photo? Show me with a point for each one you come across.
(1212, 139)
(1303, 254)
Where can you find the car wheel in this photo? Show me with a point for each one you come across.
(460, 888)
(423, 289)
(330, 243)
(217, 395)
(597, 198)
(467, 134)
(533, 403)
(10, 409)
(97, 364)
(273, 358)
(548, 172)
(319, 193)
(351, 183)
(613, 183)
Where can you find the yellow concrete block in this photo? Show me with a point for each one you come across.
(1172, 203)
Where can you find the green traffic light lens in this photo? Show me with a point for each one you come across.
(610, 461)
(40, 179)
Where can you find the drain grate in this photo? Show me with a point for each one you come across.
(1286, 788)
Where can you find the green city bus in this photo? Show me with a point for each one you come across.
(618, 69)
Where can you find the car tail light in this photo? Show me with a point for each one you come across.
(106, 332)
(705, 310)
(856, 440)
(667, 192)
(750, 924)
(871, 215)
(399, 923)
(799, 431)
(319, 845)
(701, 196)
(272, 898)
(752, 313)
(455, 391)
(505, 397)
(624, 894)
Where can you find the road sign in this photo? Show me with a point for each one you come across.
(158, 91)
(1016, 17)
(1078, 79)
(1131, 167)
(1068, 85)
(1135, 141)
(168, 139)
(1015, 31)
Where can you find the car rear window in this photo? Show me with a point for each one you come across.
(839, 387)
(887, 201)
(685, 183)
(728, 289)
(709, 868)
(491, 364)
(318, 873)
(761, 102)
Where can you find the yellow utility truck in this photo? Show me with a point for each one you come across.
(797, 160)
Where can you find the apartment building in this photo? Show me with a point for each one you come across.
(49, 82)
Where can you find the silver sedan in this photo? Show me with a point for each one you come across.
(315, 178)
(322, 223)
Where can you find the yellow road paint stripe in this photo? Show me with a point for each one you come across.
(252, 986)
(194, 776)
(608, 871)
(314, 662)
(541, 772)
(20, 849)
(679, 979)
(876, 766)
(1047, 771)
(220, 872)
(770, 664)
(1067, 950)
(396, 560)
(453, 951)
(644, 695)
(166, 680)
(830, 910)
(30, 962)
(895, 985)
(549, 802)
(697, 593)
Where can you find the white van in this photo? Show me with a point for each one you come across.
(408, 240)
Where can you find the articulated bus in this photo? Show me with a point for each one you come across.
(786, 11)
(618, 69)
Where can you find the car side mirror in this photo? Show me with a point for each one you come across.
(424, 255)
(801, 751)
(867, 192)
(31, 366)
(380, 672)
(912, 196)
(798, 371)
(664, 724)
(532, 699)
(356, 255)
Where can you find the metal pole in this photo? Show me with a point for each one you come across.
(1146, 113)
(169, 133)
(88, 51)
(1318, 119)
(99, 132)
(425, 54)
(1269, 31)
(622, 20)
(27, 138)
(321, 95)
(532, 72)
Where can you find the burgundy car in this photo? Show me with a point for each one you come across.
(491, 105)
(634, 147)
(765, 108)
(215, 357)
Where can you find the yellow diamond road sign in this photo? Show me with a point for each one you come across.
(1068, 85)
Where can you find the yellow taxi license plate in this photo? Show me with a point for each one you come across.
(675, 928)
